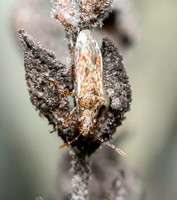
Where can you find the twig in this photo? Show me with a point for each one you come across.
(126, 186)
(81, 172)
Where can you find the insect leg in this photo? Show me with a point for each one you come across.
(73, 60)
(70, 142)
(65, 92)
(66, 121)
(112, 146)
(69, 117)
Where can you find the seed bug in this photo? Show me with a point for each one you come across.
(89, 81)
(88, 86)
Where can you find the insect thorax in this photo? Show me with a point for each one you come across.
(87, 116)
(90, 101)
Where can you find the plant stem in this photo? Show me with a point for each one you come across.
(81, 172)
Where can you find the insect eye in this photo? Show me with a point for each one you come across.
(94, 122)
(79, 121)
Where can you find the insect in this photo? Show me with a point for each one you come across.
(88, 85)
(89, 80)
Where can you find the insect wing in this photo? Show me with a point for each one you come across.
(88, 63)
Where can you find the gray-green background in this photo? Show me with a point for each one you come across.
(29, 154)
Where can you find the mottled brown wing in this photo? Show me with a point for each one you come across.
(40, 66)
(88, 63)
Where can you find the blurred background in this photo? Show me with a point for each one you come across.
(29, 155)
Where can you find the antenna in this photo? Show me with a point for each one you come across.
(122, 153)
(112, 146)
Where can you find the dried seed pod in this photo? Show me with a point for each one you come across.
(83, 14)
(115, 78)
(41, 64)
